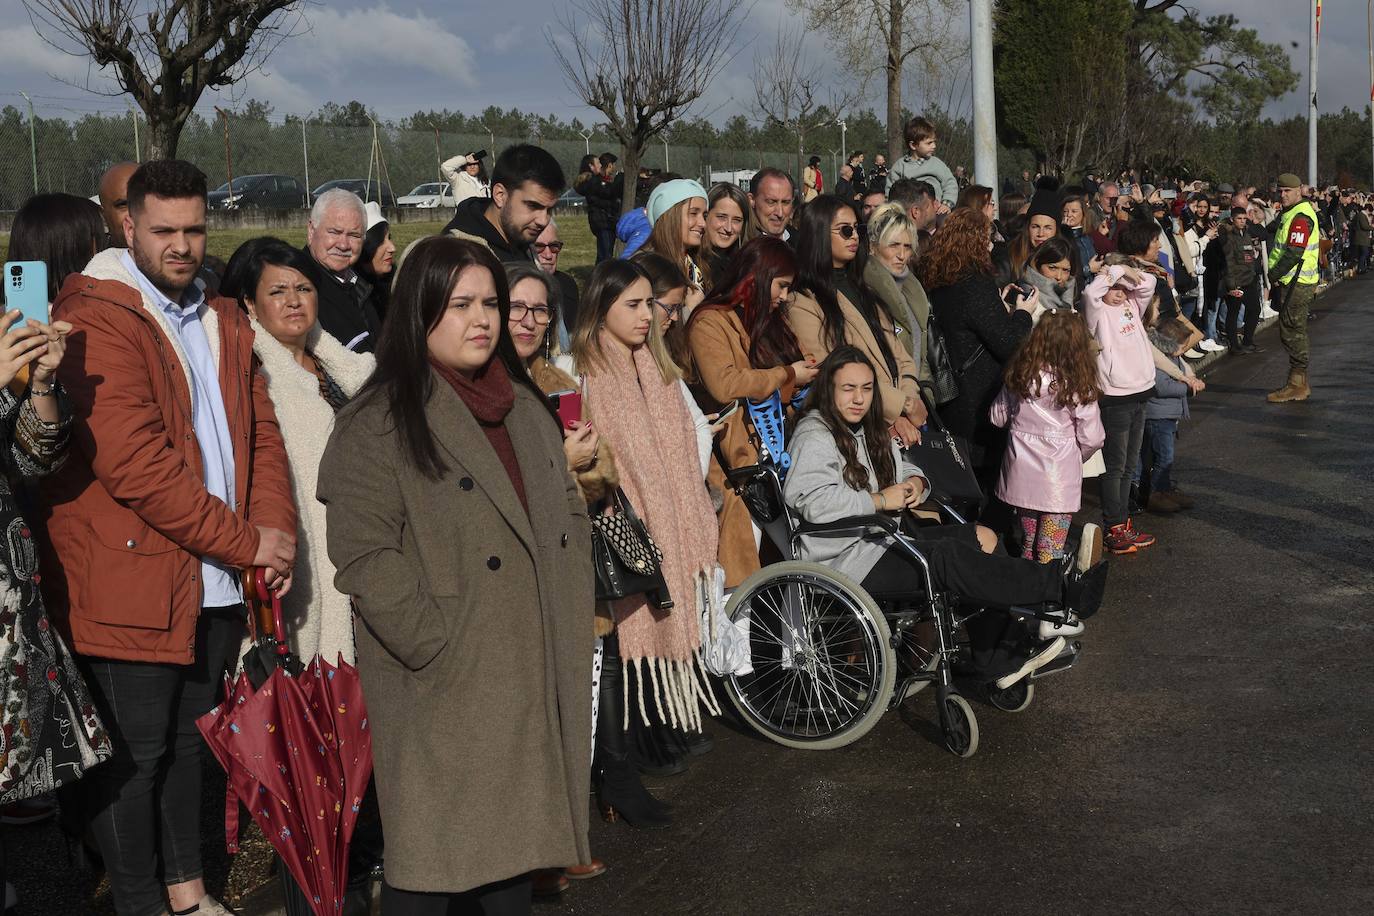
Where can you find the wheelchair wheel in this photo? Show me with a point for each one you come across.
(960, 726)
(1013, 699)
(823, 662)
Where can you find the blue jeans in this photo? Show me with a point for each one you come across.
(1157, 453)
(1210, 319)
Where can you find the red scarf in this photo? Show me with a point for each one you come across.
(490, 395)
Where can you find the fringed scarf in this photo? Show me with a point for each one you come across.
(651, 432)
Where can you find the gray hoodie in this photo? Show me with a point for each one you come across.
(816, 492)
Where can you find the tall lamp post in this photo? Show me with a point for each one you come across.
(984, 100)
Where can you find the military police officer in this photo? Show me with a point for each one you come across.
(1293, 274)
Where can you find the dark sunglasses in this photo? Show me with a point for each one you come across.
(541, 247)
(846, 230)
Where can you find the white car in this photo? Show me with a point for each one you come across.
(428, 196)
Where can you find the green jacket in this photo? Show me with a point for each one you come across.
(908, 308)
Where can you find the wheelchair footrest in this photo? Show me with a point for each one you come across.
(1063, 662)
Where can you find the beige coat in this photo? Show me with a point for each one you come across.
(720, 349)
(804, 315)
(474, 640)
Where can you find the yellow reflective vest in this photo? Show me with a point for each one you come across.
(1308, 270)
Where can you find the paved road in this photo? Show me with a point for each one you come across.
(1211, 753)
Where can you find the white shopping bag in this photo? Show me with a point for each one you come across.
(724, 644)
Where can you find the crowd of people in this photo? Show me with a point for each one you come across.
(413, 445)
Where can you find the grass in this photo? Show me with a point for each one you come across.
(579, 252)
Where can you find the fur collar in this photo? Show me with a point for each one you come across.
(109, 265)
(349, 370)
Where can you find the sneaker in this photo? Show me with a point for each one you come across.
(28, 811)
(1066, 625)
(1119, 540)
(1253, 348)
(1090, 545)
(1083, 594)
(1194, 353)
(1038, 659)
(1266, 313)
(1211, 346)
(1139, 538)
(209, 906)
(1184, 501)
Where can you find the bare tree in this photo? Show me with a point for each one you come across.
(165, 53)
(788, 88)
(887, 35)
(644, 63)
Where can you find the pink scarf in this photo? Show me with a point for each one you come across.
(650, 429)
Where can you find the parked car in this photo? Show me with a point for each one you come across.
(364, 188)
(571, 200)
(280, 192)
(428, 196)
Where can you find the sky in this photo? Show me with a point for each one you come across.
(400, 57)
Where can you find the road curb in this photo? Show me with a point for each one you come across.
(1200, 366)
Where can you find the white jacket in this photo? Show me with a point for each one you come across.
(318, 618)
(463, 184)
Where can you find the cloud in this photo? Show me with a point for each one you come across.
(354, 47)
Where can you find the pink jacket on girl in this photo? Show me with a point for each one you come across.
(1042, 469)
(1125, 365)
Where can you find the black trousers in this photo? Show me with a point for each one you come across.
(1251, 302)
(605, 244)
(959, 565)
(1124, 422)
(143, 805)
(512, 897)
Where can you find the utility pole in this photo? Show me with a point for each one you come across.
(843, 149)
(438, 154)
(1369, 27)
(228, 158)
(33, 142)
(490, 136)
(664, 137)
(1314, 37)
(984, 100)
(587, 138)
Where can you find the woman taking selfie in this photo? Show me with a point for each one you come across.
(833, 306)
(464, 543)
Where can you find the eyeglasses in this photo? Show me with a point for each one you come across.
(541, 247)
(846, 230)
(674, 312)
(518, 311)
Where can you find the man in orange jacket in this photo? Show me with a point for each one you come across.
(176, 482)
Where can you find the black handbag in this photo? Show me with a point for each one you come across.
(944, 384)
(627, 560)
(945, 464)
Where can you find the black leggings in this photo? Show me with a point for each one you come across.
(511, 897)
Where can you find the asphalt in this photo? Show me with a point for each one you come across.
(1209, 754)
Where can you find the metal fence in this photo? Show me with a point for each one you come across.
(71, 156)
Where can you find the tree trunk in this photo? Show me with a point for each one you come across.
(896, 137)
(631, 155)
(164, 132)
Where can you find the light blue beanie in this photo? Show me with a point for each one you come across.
(670, 194)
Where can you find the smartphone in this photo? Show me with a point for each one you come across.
(1018, 291)
(26, 289)
(568, 406)
(1168, 194)
(727, 410)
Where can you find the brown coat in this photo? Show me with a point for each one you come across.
(804, 315)
(720, 348)
(595, 483)
(474, 640)
(129, 516)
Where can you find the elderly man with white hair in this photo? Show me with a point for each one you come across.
(334, 241)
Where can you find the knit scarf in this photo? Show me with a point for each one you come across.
(649, 428)
(489, 396)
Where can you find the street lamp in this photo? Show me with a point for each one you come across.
(587, 138)
(843, 148)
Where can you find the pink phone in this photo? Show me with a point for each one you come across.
(568, 404)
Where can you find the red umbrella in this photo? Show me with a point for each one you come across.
(297, 751)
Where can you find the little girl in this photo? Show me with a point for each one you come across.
(1049, 407)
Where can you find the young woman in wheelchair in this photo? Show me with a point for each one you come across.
(845, 463)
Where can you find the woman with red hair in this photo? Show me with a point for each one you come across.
(743, 348)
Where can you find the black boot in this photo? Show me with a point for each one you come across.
(619, 793)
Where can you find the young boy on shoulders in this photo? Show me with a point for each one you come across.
(921, 163)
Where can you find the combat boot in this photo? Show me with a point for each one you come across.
(1295, 390)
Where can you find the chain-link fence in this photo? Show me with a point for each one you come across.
(71, 156)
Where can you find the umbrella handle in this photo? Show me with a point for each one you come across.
(270, 595)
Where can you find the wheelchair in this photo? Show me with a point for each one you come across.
(830, 658)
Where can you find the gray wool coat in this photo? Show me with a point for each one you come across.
(474, 640)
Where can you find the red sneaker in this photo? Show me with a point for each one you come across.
(1139, 538)
(1119, 541)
